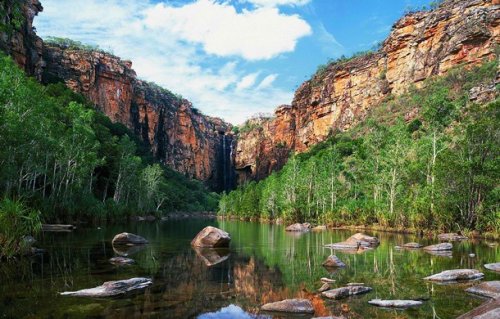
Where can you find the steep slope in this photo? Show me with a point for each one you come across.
(337, 97)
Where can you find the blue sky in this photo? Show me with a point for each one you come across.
(231, 58)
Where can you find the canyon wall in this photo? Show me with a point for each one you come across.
(420, 45)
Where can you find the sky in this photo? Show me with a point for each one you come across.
(231, 58)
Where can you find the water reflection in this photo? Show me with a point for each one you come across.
(232, 312)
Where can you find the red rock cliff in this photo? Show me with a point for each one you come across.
(420, 45)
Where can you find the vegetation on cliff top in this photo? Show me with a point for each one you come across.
(70, 162)
(439, 171)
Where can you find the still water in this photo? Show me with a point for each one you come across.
(263, 264)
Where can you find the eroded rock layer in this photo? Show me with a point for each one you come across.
(421, 44)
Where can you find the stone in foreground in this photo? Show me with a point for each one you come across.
(489, 289)
(211, 237)
(121, 261)
(299, 227)
(395, 303)
(456, 275)
(451, 237)
(128, 239)
(439, 247)
(412, 245)
(333, 261)
(494, 267)
(112, 288)
(356, 241)
(290, 306)
(344, 292)
(488, 310)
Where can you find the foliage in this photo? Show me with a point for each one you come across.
(13, 19)
(16, 222)
(393, 173)
(72, 44)
(72, 162)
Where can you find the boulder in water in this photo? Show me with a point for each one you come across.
(395, 303)
(489, 289)
(356, 241)
(211, 237)
(456, 275)
(298, 227)
(494, 267)
(412, 245)
(319, 228)
(128, 239)
(488, 310)
(112, 288)
(439, 247)
(344, 292)
(290, 306)
(333, 261)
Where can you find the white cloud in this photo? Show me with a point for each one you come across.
(257, 34)
(227, 87)
(275, 3)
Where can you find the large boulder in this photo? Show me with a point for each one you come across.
(290, 306)
(494, 267)
(451, 237)
(344, 292)
(356, 241)
(456, 275)
(211, 237)
(489, 289)
(299, 227)
(333, 261)
(128, 239)
(439, 247)
(395, 303)
(112, 288)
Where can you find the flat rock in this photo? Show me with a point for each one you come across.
(356, 241)
(298, 227)
(128, 239)
(439, 247)
(344, 292)
(395, 303)
(112, 288)
(456, 275)
(211, 237)
(121, 261)
(490, 289)
(494, 267)
(290, 306)
(412, 245)
(451, 237)
(327, 280)
(333, 261)
(488, 310)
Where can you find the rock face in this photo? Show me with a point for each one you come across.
(211, 237)
(191, 143)
(494, 267)
(356, 241)
(456, 275)
(128, 239)
(490, 289)
(344, 292)
(112, 288)
(333, 261)
(299, 227)
(395, 303)
(17, 36)
(290, 306)
(420, 45)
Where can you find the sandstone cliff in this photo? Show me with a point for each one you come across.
(420, 45)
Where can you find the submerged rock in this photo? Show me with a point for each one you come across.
(494, 267)
(290, 306)
(439, 247)
(211, 237)
(451, 237)
(333, 261)
(212, 256)
(112, 288)
(356, 241)
(128, 239)
(299, 227)
(456, 275)
(488, 310)
(344, 292)
(395, 303)
(413, 245)
(490, 289)
(121, 261)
